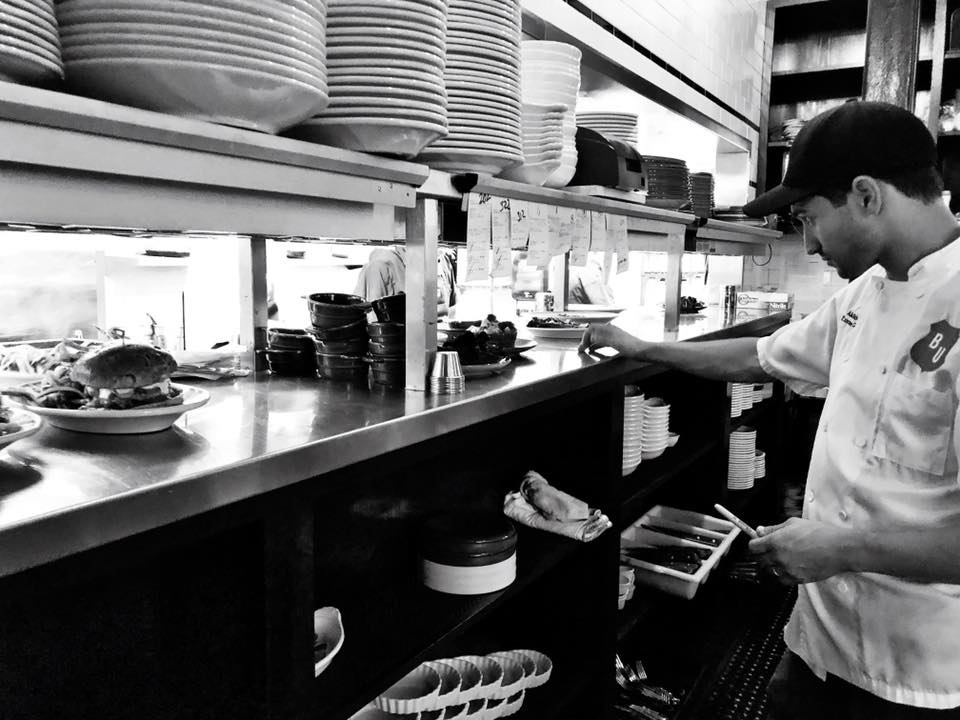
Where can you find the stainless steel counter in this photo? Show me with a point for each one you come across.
(63, 492)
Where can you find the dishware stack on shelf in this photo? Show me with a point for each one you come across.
(328, 636)
(654, 433)
(385, 63)
(446, 375)
(612, 125)
(388, 341)
(256, 65)
(482, 80)
(668, 182)
(340, 331)
(290, 351)
(627, 585)
(30, 43)
(760, 465)
(468, 553)
(675, 550)
(741, 398)
(550, 84)
(632, 428)
(741, 463)
(766, 391)
(468, 687)
(757, 395)
(701, 194)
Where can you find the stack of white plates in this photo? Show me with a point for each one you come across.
(627, 585)
(29, 42)
(613, 125)
(482, 79)
(632, 432)
(543, 139)
(256, 64)
(655, 433)
(385, 61)
(760, 465)
(757, 396)
(766, 391)
(741, 463)
(741, 398)
(551, 76)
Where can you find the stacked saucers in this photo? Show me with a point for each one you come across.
(385, 61)
(614, 125)
(701, 194)
(482, 79)
(543, 143)
(632, 429)
(760, 465)
(627, 585)
(446, 377)
(741, 398)
(741, 463)
(655, 433)
(259, 64)
(551, 77)
(29, 42)
(668, 182)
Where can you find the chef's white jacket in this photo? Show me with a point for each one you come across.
(884, 459)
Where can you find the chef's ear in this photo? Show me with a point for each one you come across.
(867, 195)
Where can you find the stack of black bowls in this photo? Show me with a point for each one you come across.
(340, 335)
(290, 352)
(387, 344)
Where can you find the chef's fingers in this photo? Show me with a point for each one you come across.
(767, 529)
(587, 341)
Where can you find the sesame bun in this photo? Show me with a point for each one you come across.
(123, 366)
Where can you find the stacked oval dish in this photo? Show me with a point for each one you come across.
(741, 398)
(632, 429)
(482, 79)
(468, 687)
(385, 60)
(668, 182)
(654, 435)
(29, 42)
(550, 83)
(742, 460)
(615, 125)
(256, 64)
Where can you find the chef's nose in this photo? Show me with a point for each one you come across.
(810, 242)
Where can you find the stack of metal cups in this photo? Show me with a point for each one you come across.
(446, 377)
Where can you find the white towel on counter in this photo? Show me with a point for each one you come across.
(517, 508)
(553, 504)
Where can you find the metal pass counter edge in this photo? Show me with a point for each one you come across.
(62, 492)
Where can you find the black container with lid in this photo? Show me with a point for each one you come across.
(468, 553)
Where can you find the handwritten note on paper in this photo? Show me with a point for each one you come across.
(568, 217)
(622, 245)
(479, 226)
(538, 251)
(519, 224)
(581, 238)
(502, 260)
(598, 231)
(554, 226)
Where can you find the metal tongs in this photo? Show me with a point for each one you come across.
(634, 684)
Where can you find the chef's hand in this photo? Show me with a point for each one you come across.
(801, 551)
(606, 335)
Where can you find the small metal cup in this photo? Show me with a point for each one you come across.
(446, 365)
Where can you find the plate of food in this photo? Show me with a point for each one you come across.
(556, 327)
(488, 368)
(520, 346)
(113, 390)
(16, 424)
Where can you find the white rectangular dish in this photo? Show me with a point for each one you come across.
(665, 578)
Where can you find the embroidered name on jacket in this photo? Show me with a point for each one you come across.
(850, 318)
(931, 350)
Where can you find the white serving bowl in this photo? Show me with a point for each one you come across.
(416, 691)
(328, 626)
(390, 136)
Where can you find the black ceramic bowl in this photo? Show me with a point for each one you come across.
(388, 347)
(335, 309)
(341, 367)
(290, 362)
(383, 330)
(289, 339)
(353, 346)
(388, 371)
(392, 308)
(350, 331)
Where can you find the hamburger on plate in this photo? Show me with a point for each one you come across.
(122, 377)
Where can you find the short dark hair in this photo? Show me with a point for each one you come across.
(924, 184)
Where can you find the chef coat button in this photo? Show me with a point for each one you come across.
(880, 284)
(842, 586)
(843, 515)
(810, 496)
(883, 369)
(824, 425)
(861, 442)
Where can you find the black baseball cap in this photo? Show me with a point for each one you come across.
(856, 138)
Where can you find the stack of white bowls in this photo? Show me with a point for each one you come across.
(551, 76)
(29, 42)
(654, 435)
(543, 131)
(741, 398)
(385, 61)
(760, 465)
(741, 462)
(256, 64)
(482, 79)
(632, 430)
(627, 585)
(614, 125)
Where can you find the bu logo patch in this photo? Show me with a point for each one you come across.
(931, 350)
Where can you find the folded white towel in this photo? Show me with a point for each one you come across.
(517, 508)
(553, 504)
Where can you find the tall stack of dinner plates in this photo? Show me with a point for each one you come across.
(29, 42)
(256, 64)
(632, 429)
(741, 462)
(482, 78)
(701, 194)
(668, 182)
(613, 125)
(385, 62)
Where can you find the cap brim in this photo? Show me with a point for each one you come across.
(774, 199)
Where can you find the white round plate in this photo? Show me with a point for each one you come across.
(469, 160)
(29, 423)
(23, 65)
(556, 333)
(472, 371)
(125, 422)
(393, 136)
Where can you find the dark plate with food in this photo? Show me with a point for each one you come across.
(16, 424)
(556, 327)
(690, 305)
